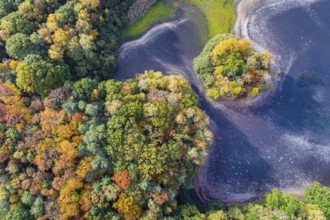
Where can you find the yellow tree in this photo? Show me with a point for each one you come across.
(90, 4)
(60, 39)
(126, 207)
(51, 22)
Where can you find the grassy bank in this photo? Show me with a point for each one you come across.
(157, 12)
(219, 14)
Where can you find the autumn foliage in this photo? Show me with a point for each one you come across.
(230, 68)
(100, 150)
(122, 179)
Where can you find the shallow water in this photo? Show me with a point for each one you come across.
(169, 47)
(280, 139)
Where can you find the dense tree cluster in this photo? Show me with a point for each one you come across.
(72, 147)
(276, 205)
(70, 39)
(99, 150)
(230, 68)
(116, 150)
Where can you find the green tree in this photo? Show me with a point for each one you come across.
(7, 6)
(18, 46)
(83, 88)
(25, 77)
(13, 134)
(14, 23)
(37, 209)
(284, 202)
(4, 205)
(318, 195)
(190, 212)
(92, 109)
(38, 44)
(35, 74)
(69, 107)
(18, 214)
(27, 198)
(65, 13)
(257, 212)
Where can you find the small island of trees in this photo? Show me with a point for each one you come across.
(230, 68)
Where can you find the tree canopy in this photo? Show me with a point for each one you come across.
(81, 35)
(76, 145)
(115, 150)
(92, 150)
(230, 68)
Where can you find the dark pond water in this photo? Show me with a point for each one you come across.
(279, 140)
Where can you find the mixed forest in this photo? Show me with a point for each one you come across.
(76, 144)
(229, 67)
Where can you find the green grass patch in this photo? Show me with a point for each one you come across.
(219, 14)
(157, 12)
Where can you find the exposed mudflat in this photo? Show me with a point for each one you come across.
(281, 139)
